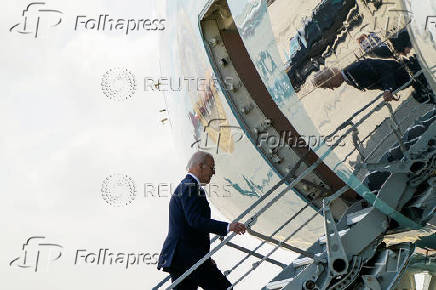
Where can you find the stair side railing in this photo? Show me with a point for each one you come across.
(291, 185)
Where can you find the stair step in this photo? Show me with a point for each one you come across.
(322, 239)
(278, 284)
(355, 217)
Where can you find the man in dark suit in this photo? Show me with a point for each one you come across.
(372, 74)
(189, 227)
(386, 75)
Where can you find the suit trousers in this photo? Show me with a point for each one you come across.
(207, 276)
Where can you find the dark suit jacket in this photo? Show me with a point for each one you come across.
(385, 74)
(189, 227)
(378, 74)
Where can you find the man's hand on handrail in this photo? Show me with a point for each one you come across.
(237, 228)
(388, 96)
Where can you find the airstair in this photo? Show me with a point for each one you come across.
(349, 253)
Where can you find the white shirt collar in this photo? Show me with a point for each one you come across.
(195, 177)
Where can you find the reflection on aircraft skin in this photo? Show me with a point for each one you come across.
(213, 119)
(329, 109)
(251, 18)
(255, 189)
(266, 63)
(320, 32)
(195, 123)
(386, 74)
(251, 192)
(267, 67)
(333, 33)
(238, 159)
(372, 45)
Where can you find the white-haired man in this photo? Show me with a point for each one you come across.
(189, 227)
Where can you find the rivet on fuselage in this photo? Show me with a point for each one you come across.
(213, 42)
(247, 109)
(224, 61)
(276, 158)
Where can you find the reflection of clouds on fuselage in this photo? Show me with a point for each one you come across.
(250, 18)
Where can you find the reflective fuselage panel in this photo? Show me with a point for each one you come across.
(202, 119)
(370, 44)
(289, 44)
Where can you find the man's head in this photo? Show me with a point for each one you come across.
(202, 165)
(401, 42)
(362, 38)
(330, 78)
